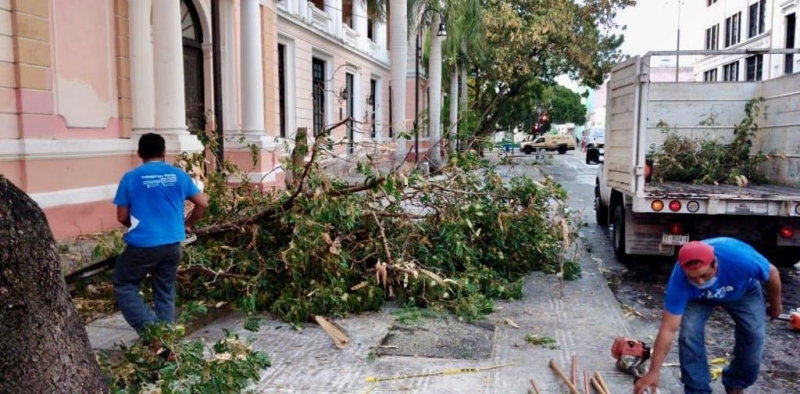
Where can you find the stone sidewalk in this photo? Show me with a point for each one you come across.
(583, 317)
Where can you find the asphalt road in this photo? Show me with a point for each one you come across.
(639, 287)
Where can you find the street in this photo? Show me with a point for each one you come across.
(639, 287)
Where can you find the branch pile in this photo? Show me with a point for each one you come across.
(709, 161)
(327, 247)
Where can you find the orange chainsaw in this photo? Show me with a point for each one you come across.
(631, 355)
(793, 317)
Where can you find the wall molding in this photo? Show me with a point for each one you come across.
(75, 196)
(48, 149)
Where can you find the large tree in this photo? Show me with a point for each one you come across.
(565, 106)
(44, 347)
(529, 42)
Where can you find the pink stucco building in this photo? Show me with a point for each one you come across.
(80, 80)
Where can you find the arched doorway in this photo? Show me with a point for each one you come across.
(193, 67)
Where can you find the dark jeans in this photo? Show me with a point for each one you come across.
(749, 314)
(161, 262)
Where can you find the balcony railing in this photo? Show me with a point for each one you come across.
(320, 19)
(350, 36)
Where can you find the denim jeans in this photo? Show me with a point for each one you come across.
(749, 315)
(161, 262)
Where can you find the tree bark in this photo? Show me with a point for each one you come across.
(44, 347)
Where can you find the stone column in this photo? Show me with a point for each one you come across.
(334, 9)
(208, 76)
(302, 9)
(170, 100)
(360, 24)
(141, 55)
(380, 39)
(252, 73)
(435, 92)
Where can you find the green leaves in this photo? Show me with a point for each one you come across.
(710, 160)
(230, 367)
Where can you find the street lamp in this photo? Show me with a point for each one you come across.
(441, 33)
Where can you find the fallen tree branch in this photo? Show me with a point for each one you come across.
(383, 240)
(207, 271)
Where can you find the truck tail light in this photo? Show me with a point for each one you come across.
(657, 205)
(797, 209)
(786, 232)
(693, 206)
(676, 228)
(674, 205)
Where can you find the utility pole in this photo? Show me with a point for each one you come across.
(677, 54)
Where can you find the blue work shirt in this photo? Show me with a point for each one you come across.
(155, 193)
(738, 267)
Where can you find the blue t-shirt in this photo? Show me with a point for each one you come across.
(155, 193)
(738, 267)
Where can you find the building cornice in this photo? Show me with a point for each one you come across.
(287, 16)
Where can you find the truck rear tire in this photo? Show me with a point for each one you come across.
(618, 234)
(562, 149)
(600, 209)
(528, 150)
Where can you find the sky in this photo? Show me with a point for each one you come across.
(652, 26)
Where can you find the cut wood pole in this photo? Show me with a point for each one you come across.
(586, 388)
(560, 373)
(601, 380)
(535, 387)
(597, 386)
(574, 370)
(340, 338)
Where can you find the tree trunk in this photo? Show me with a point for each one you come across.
(44, 347)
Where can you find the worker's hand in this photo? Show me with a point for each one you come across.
(187, 228)
(774, 310)
(648, 381)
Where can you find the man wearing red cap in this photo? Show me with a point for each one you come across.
(722, 272)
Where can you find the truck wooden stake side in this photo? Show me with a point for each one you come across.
(654, 218)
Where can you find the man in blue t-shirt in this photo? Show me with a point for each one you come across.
(721, 272)
(150, 203)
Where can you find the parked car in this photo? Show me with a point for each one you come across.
(557, 142)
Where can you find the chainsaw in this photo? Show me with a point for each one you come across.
(631, 355)
(793, 317)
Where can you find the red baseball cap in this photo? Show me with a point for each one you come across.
(695, 251)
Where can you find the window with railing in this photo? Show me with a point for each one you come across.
(282, 89)
(318, 92)
(373, 87)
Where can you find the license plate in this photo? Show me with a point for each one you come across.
(672, 239)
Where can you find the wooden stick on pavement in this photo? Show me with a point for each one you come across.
(535, 387)
(560, 373)
(597, 386)
(601, 380)
(586, 388)
(574, 367)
